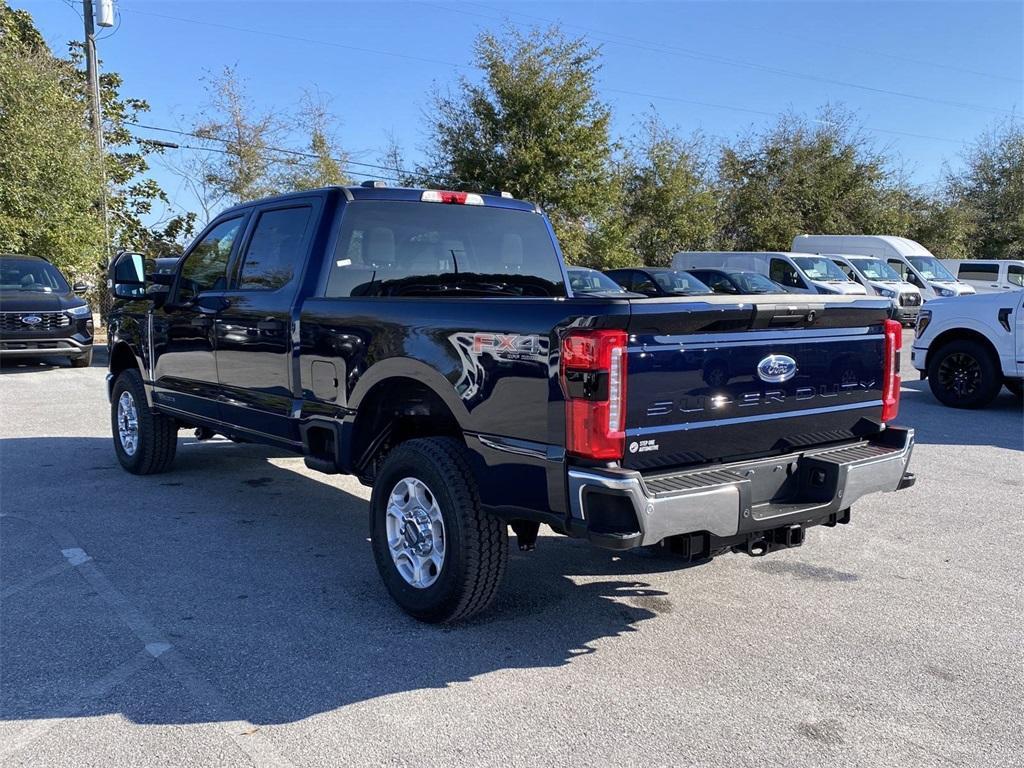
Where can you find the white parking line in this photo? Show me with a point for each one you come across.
(244, 734)
(76, 706)
(33, 580)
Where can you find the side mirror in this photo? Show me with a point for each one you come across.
(126, 277)
(80, 288)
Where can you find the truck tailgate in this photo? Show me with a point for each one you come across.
(716, 379)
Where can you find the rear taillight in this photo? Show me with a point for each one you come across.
(593, 374)
(891, 382)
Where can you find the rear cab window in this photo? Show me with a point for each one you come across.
(277, 249)
(399, 248)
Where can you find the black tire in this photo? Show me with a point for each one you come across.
(964, 374)
(157, 438)
(1016, 387)
(476, 543)
(82, 361)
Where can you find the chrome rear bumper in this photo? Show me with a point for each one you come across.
(623, 508)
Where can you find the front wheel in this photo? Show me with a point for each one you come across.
(145, 441)
(82, 361)
(964, 374)
(440, 555)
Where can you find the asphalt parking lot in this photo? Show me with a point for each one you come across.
(229, 613)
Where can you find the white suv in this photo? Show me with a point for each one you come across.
(969, 347)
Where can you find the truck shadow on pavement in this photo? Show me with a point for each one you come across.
(250, 580)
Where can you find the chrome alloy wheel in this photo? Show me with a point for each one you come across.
(415, 532)
(128, 423)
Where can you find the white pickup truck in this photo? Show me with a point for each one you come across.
(971, 346)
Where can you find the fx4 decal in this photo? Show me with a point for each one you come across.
(474, 346)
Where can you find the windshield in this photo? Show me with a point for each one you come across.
(876, 269)
(397, 248)
(822, 269)
(680, 282)
(931, 269)
(754, 282)
(590, 280)
(31, 275)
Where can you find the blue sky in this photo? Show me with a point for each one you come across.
(945, 71)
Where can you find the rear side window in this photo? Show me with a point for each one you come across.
(205, 268)
(392, 248)
(277, 249)
(970, 271)
(1015, 274)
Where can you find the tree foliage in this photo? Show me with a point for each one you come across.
(990, 192)
(49, 170)
(669, 200)
(534, 127)
(802, 176)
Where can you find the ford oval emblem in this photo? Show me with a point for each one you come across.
(775, 369)
(31, 319)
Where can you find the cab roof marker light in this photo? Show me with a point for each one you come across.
(452, 198)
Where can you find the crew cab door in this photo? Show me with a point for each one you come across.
(253, 331)
(185, 368)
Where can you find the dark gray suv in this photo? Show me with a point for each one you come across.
(41, 315)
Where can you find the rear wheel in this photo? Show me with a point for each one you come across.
(144, 441)
(440, 555)
(964, 374)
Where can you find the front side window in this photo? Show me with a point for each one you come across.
(277, 249)
(205, 268)
(1015, 274)
(900, 268)
(33, 275)
(782, 272)
(396, 248)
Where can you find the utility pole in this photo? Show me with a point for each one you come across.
(92, 75)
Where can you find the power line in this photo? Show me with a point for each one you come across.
(467, 66)
(655, 47)
(296, 38)
(344, 162)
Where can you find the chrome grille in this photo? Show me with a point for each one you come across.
(48, 321)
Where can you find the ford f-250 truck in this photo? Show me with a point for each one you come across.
(428, 343)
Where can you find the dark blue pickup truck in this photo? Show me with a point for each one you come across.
(428, 343)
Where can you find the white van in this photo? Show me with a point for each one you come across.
(911, 260)
(988, 276)
(882, 280)
(795, 271)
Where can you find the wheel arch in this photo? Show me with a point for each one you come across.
(393, 409)
(960, 334)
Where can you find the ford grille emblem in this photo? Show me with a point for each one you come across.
(31, 319)
(775, 369)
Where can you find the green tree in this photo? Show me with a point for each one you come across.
(991, 189)
(49, 171)
(533, 127)
(943, 226)
(807, 176)
(669, 200)
(326, 167)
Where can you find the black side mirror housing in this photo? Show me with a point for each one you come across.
(126, 276)
(80, 288)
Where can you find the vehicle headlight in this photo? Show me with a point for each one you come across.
(887, 293)
(922, 322)
(946, 292)
(82, 311)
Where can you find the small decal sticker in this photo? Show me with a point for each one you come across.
(643, 446)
